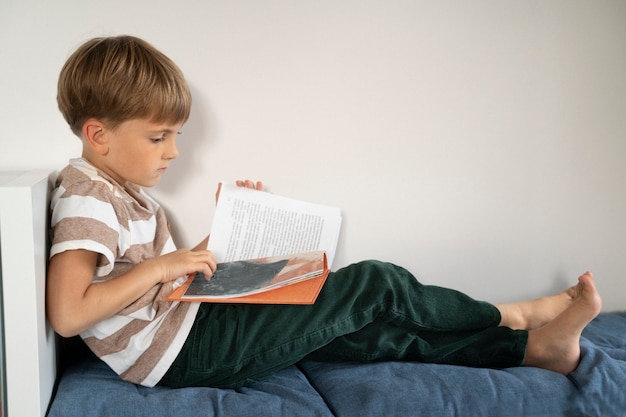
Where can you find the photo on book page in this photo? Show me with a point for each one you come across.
(239, 278)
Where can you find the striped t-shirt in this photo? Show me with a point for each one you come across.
(125, 227)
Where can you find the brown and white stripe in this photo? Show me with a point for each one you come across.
(125, 227)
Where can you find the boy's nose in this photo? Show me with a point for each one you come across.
(172, 151)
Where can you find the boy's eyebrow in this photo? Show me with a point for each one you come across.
(164, 130)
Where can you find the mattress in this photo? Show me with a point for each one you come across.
(89, 388)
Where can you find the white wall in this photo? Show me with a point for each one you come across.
(481, 144)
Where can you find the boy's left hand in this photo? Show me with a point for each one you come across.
(258, 185)
(250, 184)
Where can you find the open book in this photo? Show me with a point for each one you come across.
(270, 249)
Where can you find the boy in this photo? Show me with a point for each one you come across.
(113, 261)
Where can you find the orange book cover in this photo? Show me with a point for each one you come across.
(291, 279)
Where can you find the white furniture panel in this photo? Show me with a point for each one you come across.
(29, 341)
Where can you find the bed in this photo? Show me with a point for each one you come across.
(46, 375)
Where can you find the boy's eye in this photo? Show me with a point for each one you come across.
(157, 140)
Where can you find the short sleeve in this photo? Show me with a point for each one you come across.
(84, 218)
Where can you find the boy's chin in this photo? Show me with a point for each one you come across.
(150, 183)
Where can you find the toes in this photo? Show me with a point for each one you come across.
(586, 276)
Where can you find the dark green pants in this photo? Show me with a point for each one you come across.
(366, 312)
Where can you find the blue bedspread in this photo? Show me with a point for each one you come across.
(597, 388)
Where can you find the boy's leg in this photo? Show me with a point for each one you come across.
(366, 311)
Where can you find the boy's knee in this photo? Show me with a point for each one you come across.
(381, 271)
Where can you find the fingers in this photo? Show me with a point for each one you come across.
(240, 183)
(208, 265)
(250, 184)
(186, 261)
(217, 193)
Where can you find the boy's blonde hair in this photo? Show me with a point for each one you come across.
(115, 79)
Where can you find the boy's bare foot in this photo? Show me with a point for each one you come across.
(556, 345)
(532, 314)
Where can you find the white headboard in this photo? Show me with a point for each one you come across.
(29, 341)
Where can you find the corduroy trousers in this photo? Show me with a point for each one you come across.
(368, 311)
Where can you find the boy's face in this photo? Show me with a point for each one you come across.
(139, 151)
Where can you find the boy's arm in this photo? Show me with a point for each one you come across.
(74, 303)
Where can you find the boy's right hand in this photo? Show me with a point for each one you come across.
(182, 262)
(74, 302)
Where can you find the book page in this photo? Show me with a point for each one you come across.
(241, 278)
(252, 224)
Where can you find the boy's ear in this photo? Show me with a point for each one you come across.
(94, 134)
